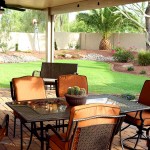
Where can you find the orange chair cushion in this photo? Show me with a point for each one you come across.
(130, 118)
(65, 81)
(28, 88)
(85, 111)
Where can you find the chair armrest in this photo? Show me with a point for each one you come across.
(36, 73)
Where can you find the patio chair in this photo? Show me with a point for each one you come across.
(26, 88)
(140, 119)
(4, 127)
(51, 71)
(65, 81)
(91, 127)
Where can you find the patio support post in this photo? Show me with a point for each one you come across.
(50, 37)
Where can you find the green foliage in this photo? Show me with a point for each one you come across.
(128, 96)
(62, 22)
(130, 68)
(144, 58)
(143, 72)
(99, 20)
(76, 91)
(70, 45)
(123, 56)
(5, 39)
(80, 26)
(118, 49)
(82, 91)
(18, 21)
(77, 46)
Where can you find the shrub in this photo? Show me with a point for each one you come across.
(118, 49)
(128, 96)
(143, 72)
(77, 46)
(123, 56)
(144, 58)
(130, 68)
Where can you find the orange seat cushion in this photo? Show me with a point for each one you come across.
(130, 118)
(65, 81)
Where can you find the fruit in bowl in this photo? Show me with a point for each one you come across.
(76, 96)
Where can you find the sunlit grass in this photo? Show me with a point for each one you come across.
(100, 77)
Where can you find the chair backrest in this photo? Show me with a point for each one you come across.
(27, 88)
(65, 81)
(144, 97)
(4, 127)
(54, 70)
(93, 126)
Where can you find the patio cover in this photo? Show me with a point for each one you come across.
(53, 7)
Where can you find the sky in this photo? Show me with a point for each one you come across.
(72, 16)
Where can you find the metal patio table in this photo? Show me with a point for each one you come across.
(42, 110)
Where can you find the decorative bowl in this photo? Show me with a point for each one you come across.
(74, 100)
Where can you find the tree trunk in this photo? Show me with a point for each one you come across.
(147, 23)
(105, 44)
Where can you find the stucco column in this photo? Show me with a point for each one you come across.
(50, 37)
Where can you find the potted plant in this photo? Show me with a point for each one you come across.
(76, 96)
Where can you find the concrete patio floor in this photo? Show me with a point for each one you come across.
(10, 143)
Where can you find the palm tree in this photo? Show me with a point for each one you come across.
(106, 21)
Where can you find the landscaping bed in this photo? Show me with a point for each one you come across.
(98, 55)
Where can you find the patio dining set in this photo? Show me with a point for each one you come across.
(89, 126)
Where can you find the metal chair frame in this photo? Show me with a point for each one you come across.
(141, 128)
(84, 133)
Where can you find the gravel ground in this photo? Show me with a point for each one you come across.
(97, 57)
(15, 58)
(4, 58)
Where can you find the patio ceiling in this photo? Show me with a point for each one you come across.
(64, 6)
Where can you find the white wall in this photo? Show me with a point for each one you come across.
(87, 41)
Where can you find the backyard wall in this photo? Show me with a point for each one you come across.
(86, 41)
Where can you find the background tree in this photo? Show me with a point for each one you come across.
(147, 23)
(107, 21)
(62, 22)
(142, 11)
(22, 21)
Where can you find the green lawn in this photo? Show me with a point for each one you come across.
(100, 77)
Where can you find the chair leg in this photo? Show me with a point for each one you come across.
(14, 126)
(148, 138)
(7, 124)
(137, 136)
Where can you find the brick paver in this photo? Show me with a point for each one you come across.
(10, 143)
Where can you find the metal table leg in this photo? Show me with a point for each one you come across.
(42, 136)
(21, 134)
